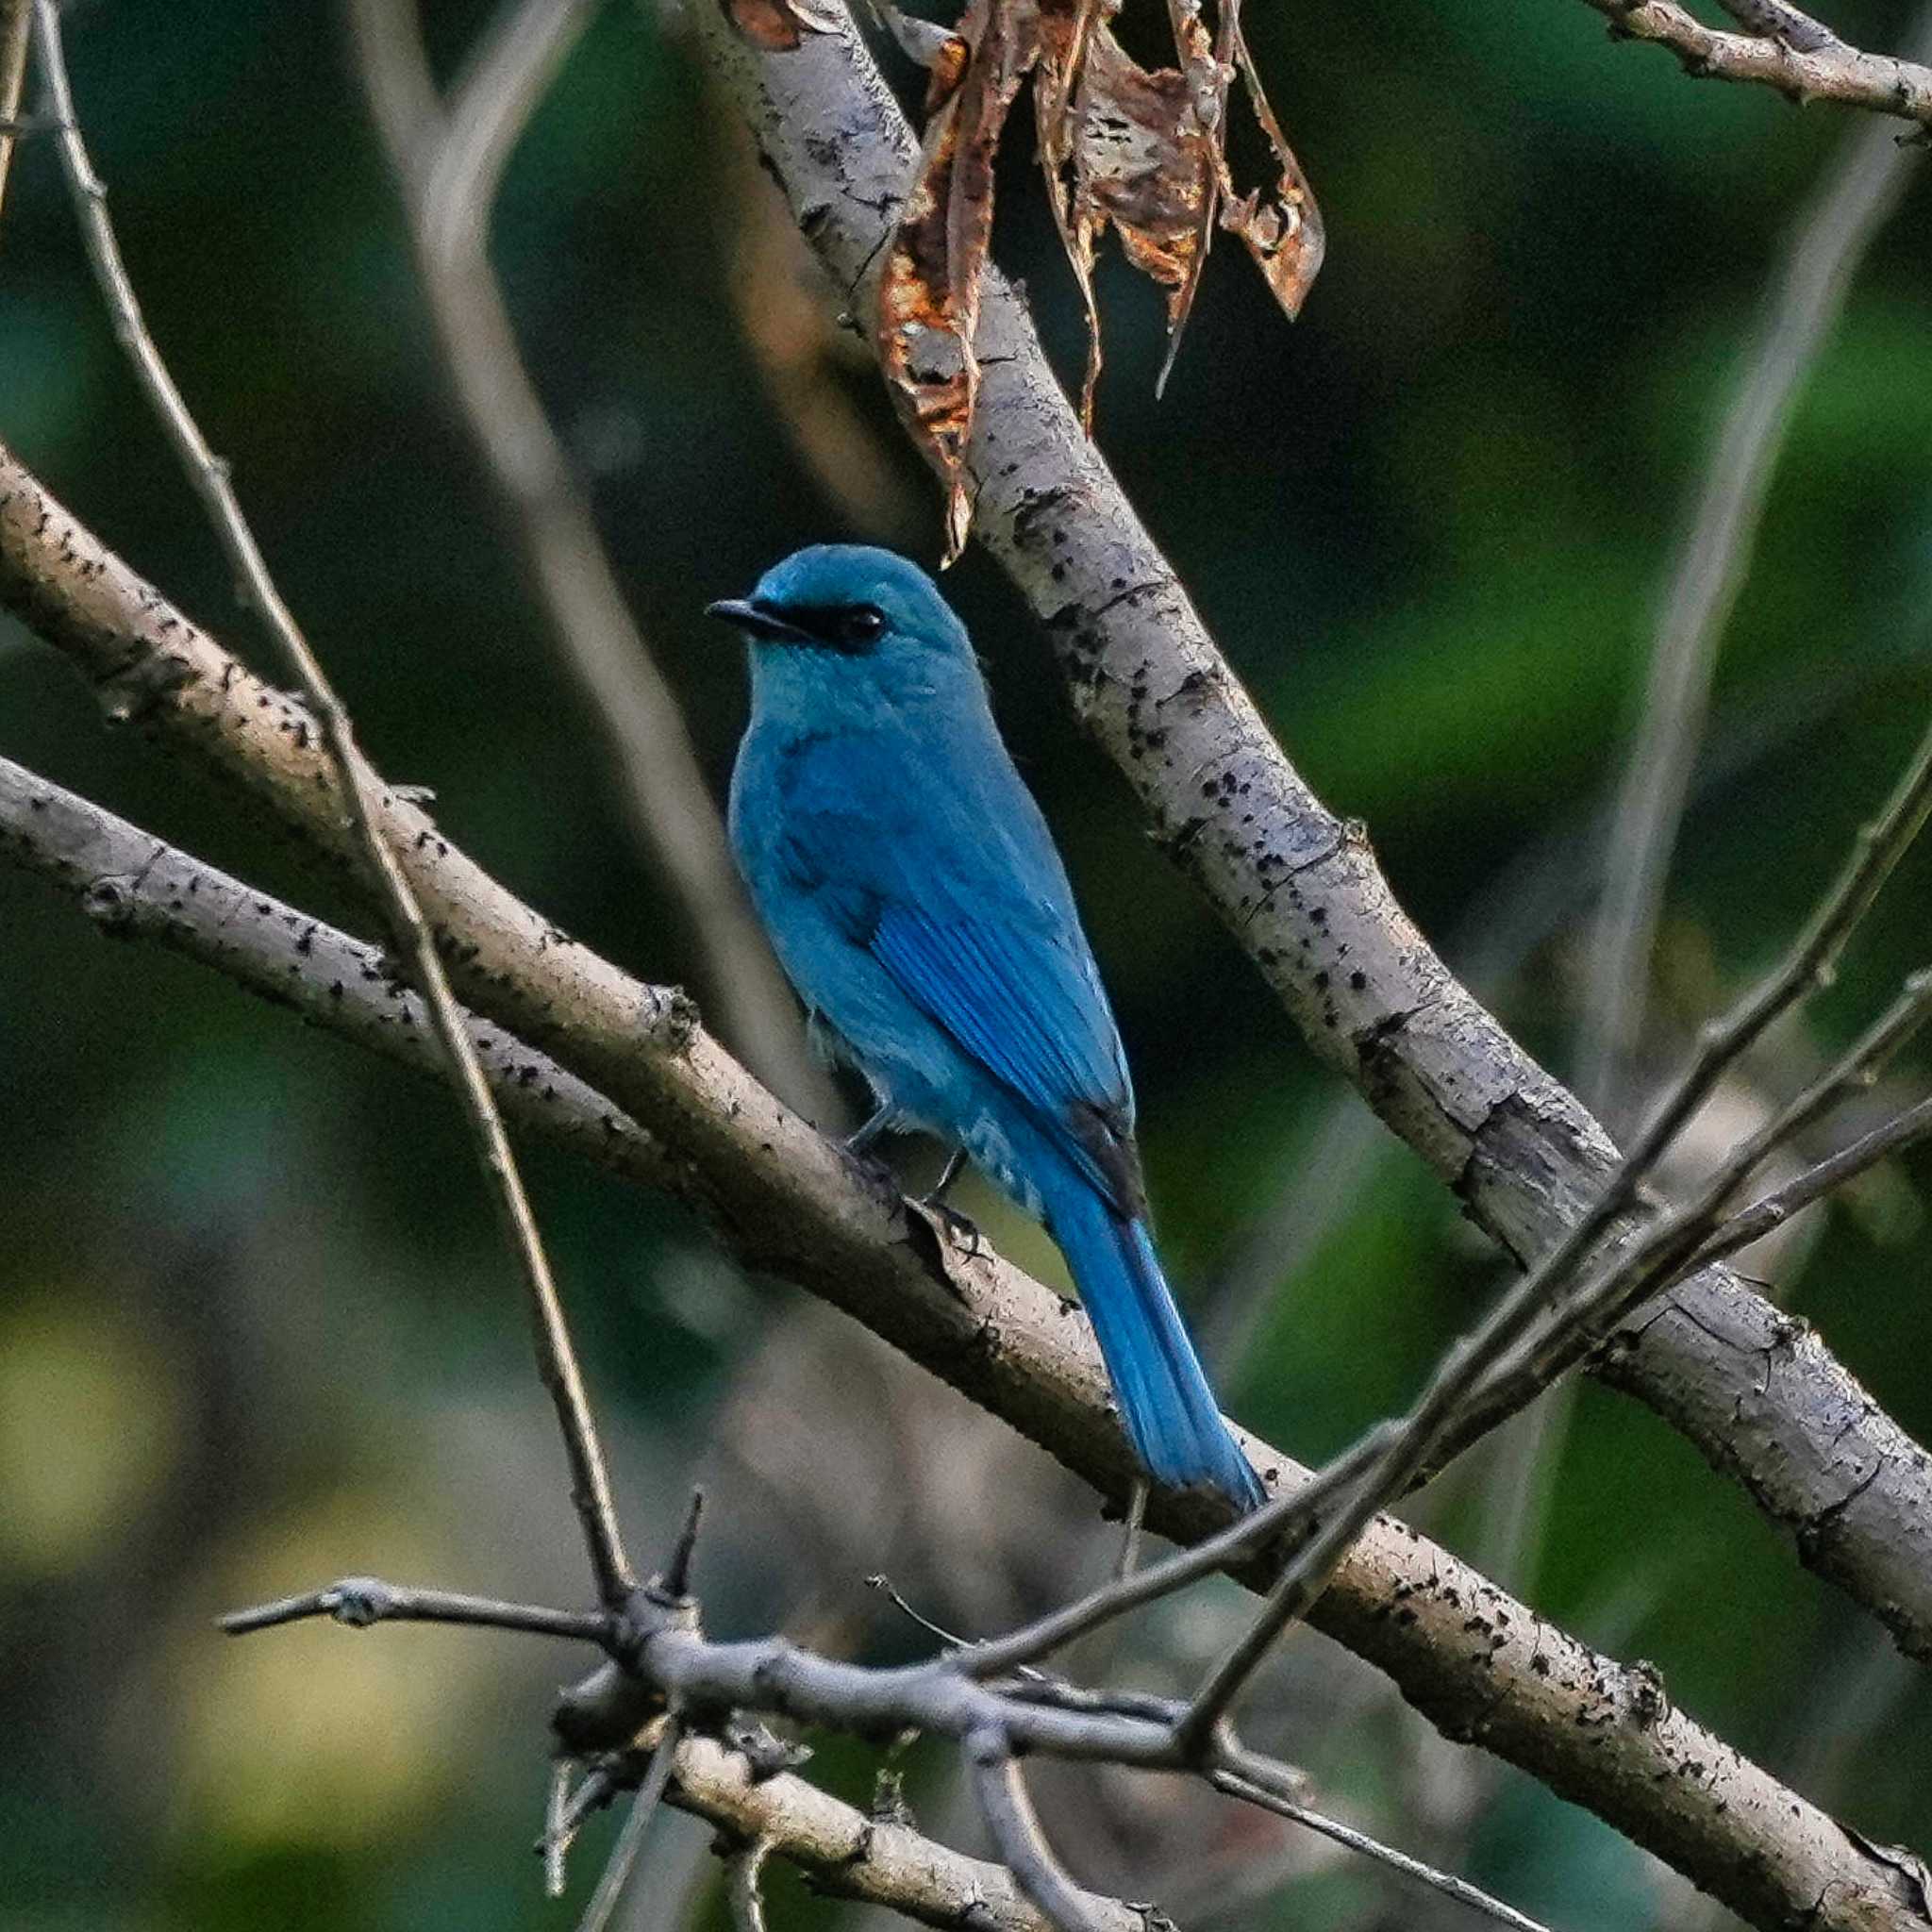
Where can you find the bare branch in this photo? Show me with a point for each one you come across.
(359, 793)
(16, 23)
(623, 1854)
(1763, 1216)
(1009, 1816)
(1827, 242)
(359, 1601)
(869, 1860)
(1831, 71)
(1446, 1883)
(445, 171)
(1481, 1665)
(134, 886)
(1779, 20)
(742, 1871)
(501, 85)
(1299, 888)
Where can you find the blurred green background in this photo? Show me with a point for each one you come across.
(256, 1328)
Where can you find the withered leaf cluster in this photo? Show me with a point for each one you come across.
(1142, 149)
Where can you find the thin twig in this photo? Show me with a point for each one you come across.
(555, 1844)
(1827, 242)
(500, 86)
(1445, 1882)
(742, 1871)
(361, 795)
(16, 22)
(1004, 1802)
(1242, 1539)
(631, 1841)
(359, 1601)
(446, 169)
(1765, 1215)
(674, 1581)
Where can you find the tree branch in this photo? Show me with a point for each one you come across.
(1299, 887)
(1481, 1666)
(16, 24)
(870, 1861)
(1826, 71)
(134, 886)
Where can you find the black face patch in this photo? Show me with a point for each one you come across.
(853, 628)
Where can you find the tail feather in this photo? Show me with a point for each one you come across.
(1170, 1411)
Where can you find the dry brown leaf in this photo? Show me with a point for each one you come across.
(779, 27)
(1284, 234)
(929, 288)
(1142, 150)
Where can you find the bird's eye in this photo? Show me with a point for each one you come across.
(861, 624)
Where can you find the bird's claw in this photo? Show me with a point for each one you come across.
(960, 1228)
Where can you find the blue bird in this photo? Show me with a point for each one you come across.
(915, 899)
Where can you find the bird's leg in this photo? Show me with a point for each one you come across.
(858, 1144)
(960, 1227)
(869, 1130)
(1129, 1557)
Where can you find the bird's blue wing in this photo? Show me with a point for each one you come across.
(950, 883)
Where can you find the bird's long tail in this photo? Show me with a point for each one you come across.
(1172, 1417)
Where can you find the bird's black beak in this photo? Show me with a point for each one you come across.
(756, 622)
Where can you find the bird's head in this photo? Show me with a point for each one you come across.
(841, 631)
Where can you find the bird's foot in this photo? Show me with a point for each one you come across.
(960, 1228)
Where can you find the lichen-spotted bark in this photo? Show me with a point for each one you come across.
(1299, 887)
(1482, 1666)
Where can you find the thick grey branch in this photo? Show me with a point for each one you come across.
(134, 886)
(1300, 889)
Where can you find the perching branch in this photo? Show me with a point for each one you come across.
(1299, 887)
(1483, 1667)
(358, 791)
(446, 165)
(1778, 55)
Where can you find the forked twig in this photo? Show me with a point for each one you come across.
(1008, 1808)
